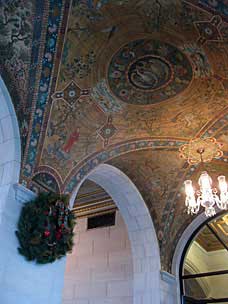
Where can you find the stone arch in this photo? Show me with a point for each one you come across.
(10, 147)
(140, 228)
(83, 168)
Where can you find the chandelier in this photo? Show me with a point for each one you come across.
(206, 195)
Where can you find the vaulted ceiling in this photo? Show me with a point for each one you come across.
(213, 236)
(123, 82)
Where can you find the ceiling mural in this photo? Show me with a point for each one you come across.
(218, 7)
(16, 31)
(124, 82)
(122, 78)
(72, 134)
(56, 17)
(44, 182)
(148, 71)
(208, 240)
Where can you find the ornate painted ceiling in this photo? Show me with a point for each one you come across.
(92, 200)
(124, 82)
(207, 239)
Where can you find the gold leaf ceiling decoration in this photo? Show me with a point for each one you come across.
(125, 82)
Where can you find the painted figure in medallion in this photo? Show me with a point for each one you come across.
(149, 72)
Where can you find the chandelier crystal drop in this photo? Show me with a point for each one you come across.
(206, 196)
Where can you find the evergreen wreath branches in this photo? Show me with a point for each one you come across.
(45, 228)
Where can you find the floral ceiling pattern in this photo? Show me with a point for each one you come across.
(125, 82)
(16, 25)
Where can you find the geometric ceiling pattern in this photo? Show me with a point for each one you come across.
(119, 82)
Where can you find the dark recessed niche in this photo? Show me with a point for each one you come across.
(99, 221)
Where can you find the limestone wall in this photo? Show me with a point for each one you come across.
(100, 268)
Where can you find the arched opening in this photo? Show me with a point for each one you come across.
(100, 268)
(10, 148)
(203, 267)
(140, 232)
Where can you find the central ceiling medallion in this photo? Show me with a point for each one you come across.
(148, 71)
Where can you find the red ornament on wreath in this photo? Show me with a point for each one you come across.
(58, 234)
(47, 233)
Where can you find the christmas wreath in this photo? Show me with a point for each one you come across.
(45, 229)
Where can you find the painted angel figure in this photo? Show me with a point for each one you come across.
(73, 138)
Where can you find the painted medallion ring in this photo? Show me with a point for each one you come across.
(148, 71)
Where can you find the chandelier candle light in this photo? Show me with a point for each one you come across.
(206, 196)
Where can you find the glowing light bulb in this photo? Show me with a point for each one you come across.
(222, 183)
(205, 181)
(189, 188)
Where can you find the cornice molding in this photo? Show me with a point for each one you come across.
(22, 194)
(168, 278)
